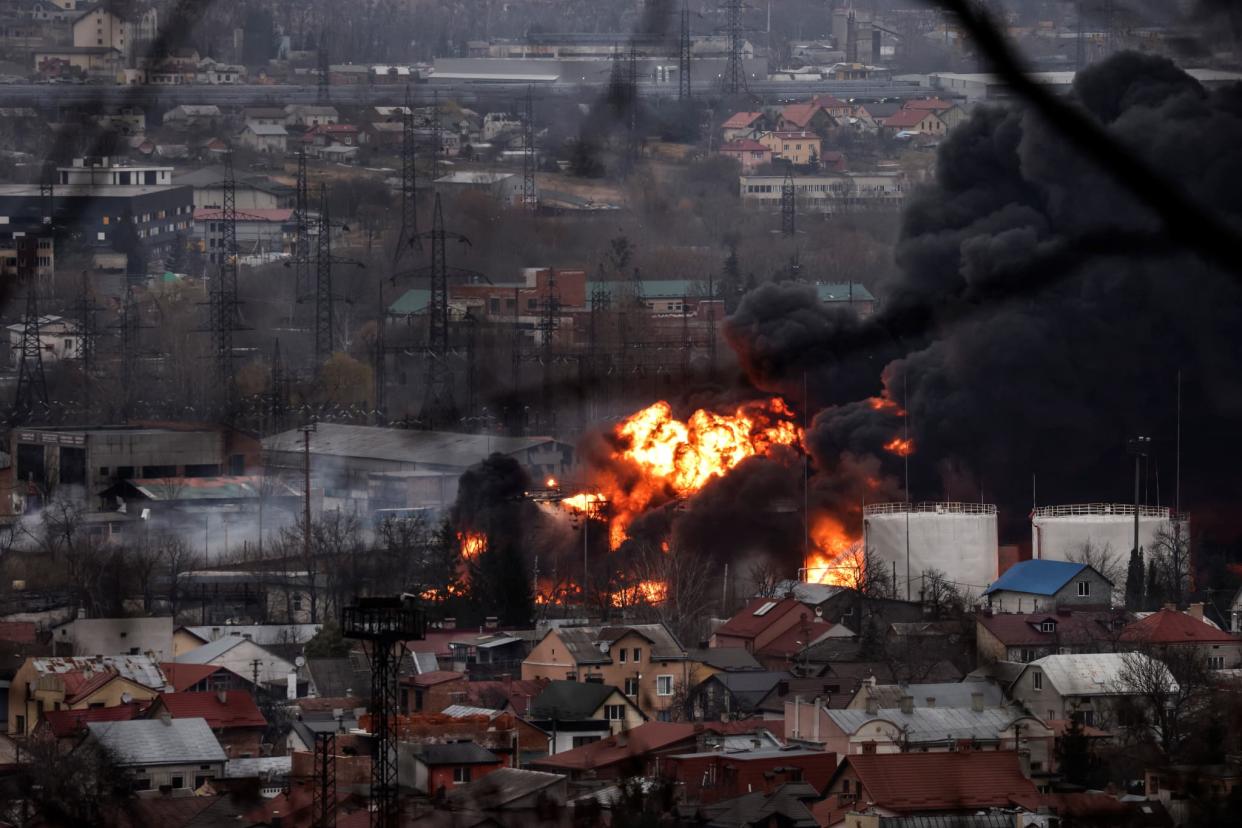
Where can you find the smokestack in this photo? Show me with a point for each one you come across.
(976, 702)
(907, 704)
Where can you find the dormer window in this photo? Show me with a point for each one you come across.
(1048, 626)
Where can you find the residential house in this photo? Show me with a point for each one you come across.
(908, 121)
(509, 790)
(926, 784)
(798, 147)
(382, 134)
(742, 125)
(267, 138)
(264, 115)
(774, 630)
(76, 683)
(1043, 584)
(106, 27)
(233, 717)
(135, 636)
(285, 640)
(193, 116)
(1168, 629)
(827, 690)
(307, 115)
(503, 733)
(726, 696)
(164, 754)
(937, 694)
(488, 654)
(1083, 686)
(713, 775)
(805, 117)
(635, 752)
(328, 134)
(70, 725)
(748, 152)
(1235, 612)
(585, 701)
(949, 113)
(928, 729)
(505, 693)
(432, 768)
(214, 73)
(432, 692)
(840, 110)
(1027, 636)
(789, 804)
(246, 658)
(711, 660)
(646, 661)
(194, 678)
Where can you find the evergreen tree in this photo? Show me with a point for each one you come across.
(1073, 753)
(327, 643)
(1155, 589)
(731, 280)
(1134, 581)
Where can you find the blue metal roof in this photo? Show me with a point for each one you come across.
(1038, 577)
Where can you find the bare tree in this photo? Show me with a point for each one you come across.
(1163, 687)
(685, 596)
(767, 578)
(1169, 558)
(1103, 559)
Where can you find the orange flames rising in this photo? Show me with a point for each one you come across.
(900, 447)
(472, 544)
(835, 557)
(676, 458)
(643, 592)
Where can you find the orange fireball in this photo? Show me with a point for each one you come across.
(902, 447)
(643, 592)
(472, 544)
(835, 558)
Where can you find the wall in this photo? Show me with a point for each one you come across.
(24, 702)
(159, 775)
(238, 659)
(442, 776)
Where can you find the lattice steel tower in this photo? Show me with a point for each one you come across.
(789, 204)
(439, 407)
(530, 196)
(408, 236)
(735, 70)
(223, 302)
(684, 88)
(31, 397)
(324, 299)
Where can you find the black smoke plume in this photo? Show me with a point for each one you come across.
(1042, 312)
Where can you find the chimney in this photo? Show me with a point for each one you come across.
(1170, 607)
(976, 702)
(491, 622)
(873, 705)
(1195, 610)
(166, 718)
(907, 704)
(931, 701)
(222, 696)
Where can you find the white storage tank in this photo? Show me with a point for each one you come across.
(957, 539)
(1060, 533)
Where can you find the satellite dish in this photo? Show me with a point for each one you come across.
(300, 661)
(126, 698)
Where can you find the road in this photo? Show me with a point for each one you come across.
(68, 96)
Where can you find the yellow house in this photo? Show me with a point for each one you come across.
(645, 661)
(79, 683)
(798, 147)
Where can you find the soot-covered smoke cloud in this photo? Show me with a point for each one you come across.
(1039, 316)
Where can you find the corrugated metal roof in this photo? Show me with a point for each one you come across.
(1037, 577)
(158, 742)
(944, 694)
(1091, 674)
(462, 711)
(137, 668)
(932, 724)
(240, 487)
(431, 448)
(258, 633)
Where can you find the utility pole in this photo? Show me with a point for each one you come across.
(31, 397)
(87, 333)
(530, 195)
(381, 375)
(684, 87)
(1139, 447)
(323, 95)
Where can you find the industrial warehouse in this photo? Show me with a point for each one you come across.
(566, 413)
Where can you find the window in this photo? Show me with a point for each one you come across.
(178, 782)
(297, 603)
(1216, 662)
(103, 471)
(1084, 589)
(622, 651)
(664, 685)
(21, 724)
(106, 220)
(631, 687)
(614, 712)
(1048, 626)
(1037, 680)
(461, 774)
(638, 654)
(579, 741)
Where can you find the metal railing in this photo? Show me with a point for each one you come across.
(1120, 509)
(930, 507)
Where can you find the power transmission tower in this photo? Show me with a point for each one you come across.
(711, 327)
(223, 301)
(324, 298)
(381, 354)
(439, 407)
(301, 243)
(129, 325)
(684, 89)
(408, 237)
(437, 138)
(548, 323)
(631, 98)
(383, 623)
(278, 391)
(31, 397)
(87, 334)
(530, 196)
(324, 94)
(735, 71)
(323, 804)
(789, 204)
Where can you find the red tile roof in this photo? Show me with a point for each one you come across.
(79, 684)
(433, 678)
(800, 114)
(647, 737)
(741, 120)
(795, 639)
(748, 625)
(965, 780)
(745, 145)
(830, 102)
(182, 676)
(65, 723)
(1169, 626)
(903, 118)
(18, 632)
(236, 710)
(1022, 629)
(933, 104)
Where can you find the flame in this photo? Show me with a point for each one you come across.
(550, 483)
(884, 404)
(673, 459)
(584, 502)
(901, 447)
(643, 592)
(472, 544)
(835, 558)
